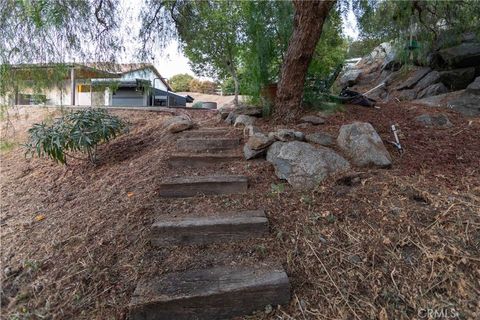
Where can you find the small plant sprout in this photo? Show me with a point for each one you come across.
(276, 189)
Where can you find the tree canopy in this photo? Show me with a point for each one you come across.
(247, 43)
(180, 82)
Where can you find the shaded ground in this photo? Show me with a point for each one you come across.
(384, 244)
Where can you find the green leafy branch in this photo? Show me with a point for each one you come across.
(78, 131)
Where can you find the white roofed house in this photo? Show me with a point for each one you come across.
(134, 84)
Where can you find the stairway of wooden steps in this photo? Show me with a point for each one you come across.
(207, 144)
(216, 293)
(201, 160)
(220, 292)
(216, 228)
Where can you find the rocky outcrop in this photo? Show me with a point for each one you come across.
(431, 78)
(363, 145)
(413, 79)
(434, 120)
(461, 56)
(303, 165)
(457, 79)
(448, 70)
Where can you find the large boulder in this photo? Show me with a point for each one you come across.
(457, 79)
(461, 56)
(259, 141)
(474, 87)
(414, 78)
(363, 145)
(434, 120)
(178, 124)
(303, 165)
(249, 153)
(433, 90)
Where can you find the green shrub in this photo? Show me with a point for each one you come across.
(198, 104)
(77, 131)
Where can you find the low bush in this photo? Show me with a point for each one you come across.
(77, 131)
(198, 104)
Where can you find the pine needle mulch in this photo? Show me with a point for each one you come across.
(374, 244)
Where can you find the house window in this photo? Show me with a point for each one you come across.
(83, 88)
(88, 88)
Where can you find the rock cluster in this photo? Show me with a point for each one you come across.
(304, 165)
(446, 70)
(306, 160)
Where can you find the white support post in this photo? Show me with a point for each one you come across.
(72, 83)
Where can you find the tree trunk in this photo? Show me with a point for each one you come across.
(308, 23)
(233, 73)
(235, 81)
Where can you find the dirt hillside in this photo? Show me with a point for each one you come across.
(377, 243)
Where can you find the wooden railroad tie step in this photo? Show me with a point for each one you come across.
(178, 187)
(207, 144)
(201, 160)
(205, 133)
(216, 293)
(203, 230)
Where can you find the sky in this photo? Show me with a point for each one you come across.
(171, 61)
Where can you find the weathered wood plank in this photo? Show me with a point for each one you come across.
(203, 230)
(201, 160)
(206, 133)
(218, 293)
(179, 187)
(207, 144)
